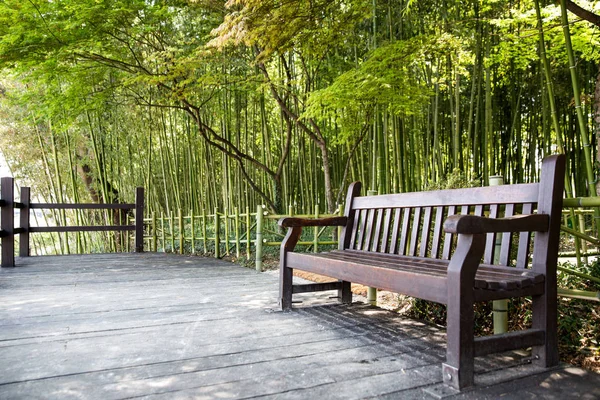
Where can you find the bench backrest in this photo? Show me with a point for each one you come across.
(412, 223)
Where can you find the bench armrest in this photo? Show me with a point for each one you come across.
(472, 224)
(293, 222)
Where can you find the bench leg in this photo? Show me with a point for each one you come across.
(285, 287)
(345, 293)
(544, 317)
(459, 367)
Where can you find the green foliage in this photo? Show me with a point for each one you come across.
(454, 180)
(276, 27)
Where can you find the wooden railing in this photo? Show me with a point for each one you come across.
(7, 219)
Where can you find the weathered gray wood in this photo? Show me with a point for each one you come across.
(155, 325)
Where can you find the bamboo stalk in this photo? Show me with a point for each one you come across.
(226, 221)
(259, 238)
(248, 241)
(181, 232)
(162, 231)
(237, 232)
(217, 221)
(204, 229)
(154, 238)
(193, 231)
(579, 294)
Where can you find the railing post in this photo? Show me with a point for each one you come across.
(139, 219)
(259, 238)
(7, 221)
(217, 238)
(24, 222)
(499, 307)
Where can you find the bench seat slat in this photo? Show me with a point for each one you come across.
(411, 283)
(536, 277)
(408, 278)
(488, 276)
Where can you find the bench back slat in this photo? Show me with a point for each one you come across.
(506, 194)
(506, 241)
(404, 233)
(376, 238)
(414, 236)
(490, 243)
(425, 232)
(387, 220)
(395, 231)
(524, 241)
(369, 229)
(361, 230)
(437, 232)
(448, 237)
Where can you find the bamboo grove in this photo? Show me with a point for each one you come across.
(232, 104)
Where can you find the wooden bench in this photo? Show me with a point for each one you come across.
(440, 246)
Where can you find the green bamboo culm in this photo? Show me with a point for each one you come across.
(583, 130)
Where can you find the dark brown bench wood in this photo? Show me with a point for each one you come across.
(440, 246)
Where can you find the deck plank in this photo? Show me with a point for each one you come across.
(166, 326)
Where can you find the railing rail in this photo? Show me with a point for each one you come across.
(8, 230)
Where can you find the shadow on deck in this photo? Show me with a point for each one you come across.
(166, 326)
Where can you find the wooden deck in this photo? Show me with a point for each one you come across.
(165, 326)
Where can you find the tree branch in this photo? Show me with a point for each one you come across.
(583, 13)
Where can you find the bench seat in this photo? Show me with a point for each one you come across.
(420, 277)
